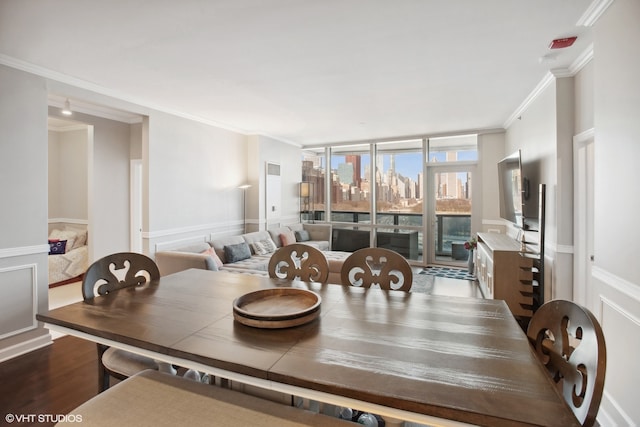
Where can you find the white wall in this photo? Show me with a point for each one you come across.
(616, 270)
(491, 149)
(194, 171)
(263, 150)
(23, 191)
(53, 171)
(109, 188)
(68, 175)
(617, 119)
(584, 102)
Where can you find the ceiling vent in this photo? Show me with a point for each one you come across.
(562, 43)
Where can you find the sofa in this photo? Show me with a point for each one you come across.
(250, 253)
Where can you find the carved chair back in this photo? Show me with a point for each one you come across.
(568, 340)
(116, 271)
(380, 266)
(299, 261)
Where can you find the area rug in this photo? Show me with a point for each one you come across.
(450, 272)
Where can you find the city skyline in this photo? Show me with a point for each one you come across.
(409, 165)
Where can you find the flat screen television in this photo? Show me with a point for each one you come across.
(510, 188)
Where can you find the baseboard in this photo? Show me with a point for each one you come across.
(25, 347)
(66, 282)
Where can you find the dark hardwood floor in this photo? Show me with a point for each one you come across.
(49, 381)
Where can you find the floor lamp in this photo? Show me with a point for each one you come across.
(306, 196)
(244, 204)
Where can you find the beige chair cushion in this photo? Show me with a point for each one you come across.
(126, 363)
(155, 399)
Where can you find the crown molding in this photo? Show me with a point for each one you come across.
(544, 83)
(582, 60)
(594, 12)
(559, 73)
(550, 77)
(83, 84)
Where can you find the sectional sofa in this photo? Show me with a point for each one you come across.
(250, 253)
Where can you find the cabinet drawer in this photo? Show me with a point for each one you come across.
(525, 274)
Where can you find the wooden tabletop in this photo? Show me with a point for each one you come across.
(462, 359)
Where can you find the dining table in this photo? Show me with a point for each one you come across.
(429, 359)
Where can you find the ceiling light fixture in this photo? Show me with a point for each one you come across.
(67, 108)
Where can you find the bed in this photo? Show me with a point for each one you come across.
(68, 255)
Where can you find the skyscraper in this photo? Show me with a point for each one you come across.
(354, 159)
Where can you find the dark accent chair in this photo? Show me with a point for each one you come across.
(568, 340)
(113, 272)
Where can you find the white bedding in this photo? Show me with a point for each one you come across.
(69, 265)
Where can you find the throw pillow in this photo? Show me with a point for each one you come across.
(302, 236)
(258, 248)
(69, 236)
(287, 238)
(263, 247)
(57, 247)
(237, 252)
(214, 256)
(269, 245)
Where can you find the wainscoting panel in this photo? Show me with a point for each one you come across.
(170, 239)
(617, 306)
(18, 300)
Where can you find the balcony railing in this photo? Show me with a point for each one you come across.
(452, 230)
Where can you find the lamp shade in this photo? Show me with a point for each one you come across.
(305, 189)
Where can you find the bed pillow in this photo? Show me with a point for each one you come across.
(237, 252)
(57, 247)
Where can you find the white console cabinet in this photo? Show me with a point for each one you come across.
(504, 272)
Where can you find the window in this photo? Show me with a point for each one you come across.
(453, 149)
(378, 193)
(313, 172)
(350, 184)
(399, 182)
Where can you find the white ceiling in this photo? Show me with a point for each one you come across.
(306, 71)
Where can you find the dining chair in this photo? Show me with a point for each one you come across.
(117, 271)
(299, 261)
(384, 267)
(568, 340)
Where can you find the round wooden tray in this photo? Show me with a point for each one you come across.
(277, 308)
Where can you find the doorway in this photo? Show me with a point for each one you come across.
(69, 153)
(450, 210)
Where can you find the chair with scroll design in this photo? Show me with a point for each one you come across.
(113, 272)
(380, 266)
(568, 340)
(299, 261)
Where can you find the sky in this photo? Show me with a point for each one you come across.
(408, 165)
